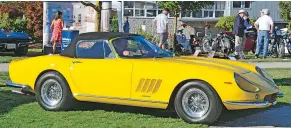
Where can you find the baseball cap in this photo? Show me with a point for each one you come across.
(265, 11)
(241, 11)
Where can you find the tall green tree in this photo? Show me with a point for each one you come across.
(285, 9)
(177, 7)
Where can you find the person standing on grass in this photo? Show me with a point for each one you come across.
(126, 25)
(161, 22)
(264, 26)
(56, 28)
(239, 32)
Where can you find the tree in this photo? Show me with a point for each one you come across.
(33, 11)
(176, 7)
(285, 11)
(227, 22)
(114, 23)
(97, 7)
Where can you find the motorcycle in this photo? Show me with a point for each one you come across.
(222, 43)
(286, 39)
(250, 42)
(277, 41)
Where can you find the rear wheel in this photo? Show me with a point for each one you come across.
(53, 92)
(197, 102)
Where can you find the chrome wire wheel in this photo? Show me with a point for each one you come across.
(51, 92)
(195, 103)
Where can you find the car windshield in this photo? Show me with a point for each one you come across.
(138, 47)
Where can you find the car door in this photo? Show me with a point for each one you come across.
(97, 72)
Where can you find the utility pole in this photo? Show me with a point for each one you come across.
(105, 16)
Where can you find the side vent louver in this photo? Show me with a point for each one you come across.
(148, 85)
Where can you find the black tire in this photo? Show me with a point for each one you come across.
(206, 45)
(281, 50)
(67, 101)
(289, 50)
(215, 104)
(21, 51)
(227, 48)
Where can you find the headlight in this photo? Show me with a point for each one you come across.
(265, 74)
(245, 84)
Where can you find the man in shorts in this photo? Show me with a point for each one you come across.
(161, 22)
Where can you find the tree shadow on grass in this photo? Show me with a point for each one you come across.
(90, 106)
(283, 81)
(10, 100)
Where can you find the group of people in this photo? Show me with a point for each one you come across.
(264, 26)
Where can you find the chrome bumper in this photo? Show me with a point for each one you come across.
(25, 90)
(255, 104)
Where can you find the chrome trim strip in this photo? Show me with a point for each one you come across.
(257, 104)
(280, 94)
(117, 98)
(11, 84)
(24, 88)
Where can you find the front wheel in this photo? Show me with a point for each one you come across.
(281, 50)
(198, 102)
(53, 92)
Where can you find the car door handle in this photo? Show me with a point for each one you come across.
(76, 62)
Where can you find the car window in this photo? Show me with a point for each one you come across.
(94, 49)
(137, 47)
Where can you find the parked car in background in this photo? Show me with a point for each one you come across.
(16, 42)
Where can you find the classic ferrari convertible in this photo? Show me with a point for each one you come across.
(126, 69)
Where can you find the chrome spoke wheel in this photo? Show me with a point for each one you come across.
(195, 103)
(51, 92)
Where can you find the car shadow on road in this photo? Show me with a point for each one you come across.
(271, 116)
(283, 81)
(9, 100)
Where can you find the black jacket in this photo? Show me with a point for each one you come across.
(239, 27)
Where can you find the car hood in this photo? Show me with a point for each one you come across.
(212, 63)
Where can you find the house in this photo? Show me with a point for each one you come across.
(143, 12)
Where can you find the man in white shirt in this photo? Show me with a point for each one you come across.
(265, 26)
(161, 22)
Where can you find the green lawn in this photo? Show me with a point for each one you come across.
(23, 111)
(8, 57)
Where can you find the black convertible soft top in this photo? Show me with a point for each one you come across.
(70, 51)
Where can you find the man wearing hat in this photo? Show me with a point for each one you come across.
(238, 31)
(265, 26)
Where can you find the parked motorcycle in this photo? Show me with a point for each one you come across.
(277, 41)
(250, 42)
(221, 43)
(286, 39)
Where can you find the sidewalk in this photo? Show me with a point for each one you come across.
(273, 64)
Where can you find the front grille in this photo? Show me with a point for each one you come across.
(271, 98)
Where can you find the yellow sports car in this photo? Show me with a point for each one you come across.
(126, 69)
